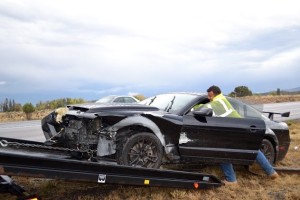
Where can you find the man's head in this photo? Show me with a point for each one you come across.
(213, 91)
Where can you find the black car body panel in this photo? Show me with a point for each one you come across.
(227, 139)
(184, 135)
(278, 133)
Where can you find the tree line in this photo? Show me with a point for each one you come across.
(57, 103)
(9, 105)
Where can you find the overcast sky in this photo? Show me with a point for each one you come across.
(89, 49)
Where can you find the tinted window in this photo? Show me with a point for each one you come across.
(119, 100)
(129, 100)
(245, 110)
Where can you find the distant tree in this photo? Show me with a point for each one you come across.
(40, 106)
(13, 105)
(232, 94)
(58, 103)
(5, 105)
(140, 97)
(10, 105)
(242, 91)
(18, 107)
(28, 108)
(278, 91)
(74, 101)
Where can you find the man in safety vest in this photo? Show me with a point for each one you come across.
(220, 105)
(222, 108)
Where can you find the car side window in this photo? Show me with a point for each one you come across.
(129, 100)
(197, 106)
(245, 110)
(119, 100)
(237, 106)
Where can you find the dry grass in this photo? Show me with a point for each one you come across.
(256, 99)
(250, 186)
(21, 116)
(293, 157)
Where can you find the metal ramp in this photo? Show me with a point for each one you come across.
(19, 162)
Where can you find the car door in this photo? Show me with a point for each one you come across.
(220, 139)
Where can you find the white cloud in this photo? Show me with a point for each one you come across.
(283, 60)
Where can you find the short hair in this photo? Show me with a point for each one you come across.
(215, 89)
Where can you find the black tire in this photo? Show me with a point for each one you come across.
(141, 150)
(268, 149)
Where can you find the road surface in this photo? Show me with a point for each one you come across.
(293, 107)
(27, 130)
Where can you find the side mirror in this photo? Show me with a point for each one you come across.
(203, 112)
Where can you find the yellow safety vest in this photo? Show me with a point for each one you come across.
(221, 107)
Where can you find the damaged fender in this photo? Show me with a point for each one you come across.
(107, 146)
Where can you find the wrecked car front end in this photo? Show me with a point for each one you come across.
(94, 128)
(78, 130)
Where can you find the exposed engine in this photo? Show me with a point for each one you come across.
(91, 135)
(81, 134)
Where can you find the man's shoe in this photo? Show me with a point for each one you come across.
(229, 182)
(274, 175)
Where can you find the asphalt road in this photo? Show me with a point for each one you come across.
(31, 130)
(293, 107)
(27, 130)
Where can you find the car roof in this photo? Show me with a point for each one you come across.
(190, 93)
(118, 96)
(114, 97)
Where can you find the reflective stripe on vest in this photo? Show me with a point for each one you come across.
(209, 106)
(228, 110)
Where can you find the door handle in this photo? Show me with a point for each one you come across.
(253, 128)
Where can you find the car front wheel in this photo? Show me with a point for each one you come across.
(141, 150)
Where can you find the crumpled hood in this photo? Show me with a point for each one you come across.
(95, 108)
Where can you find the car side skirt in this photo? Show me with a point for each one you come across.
(219, 155)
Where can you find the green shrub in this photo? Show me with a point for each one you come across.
(28, 108)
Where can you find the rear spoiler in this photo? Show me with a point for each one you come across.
(271, 114)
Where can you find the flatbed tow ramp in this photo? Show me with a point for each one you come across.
(19, 160)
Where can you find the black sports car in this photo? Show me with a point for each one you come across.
(166, 129)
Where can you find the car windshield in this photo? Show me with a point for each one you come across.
(106, 99)
(169, 102)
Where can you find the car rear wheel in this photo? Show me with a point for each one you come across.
(268, 149)
(141, 150)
